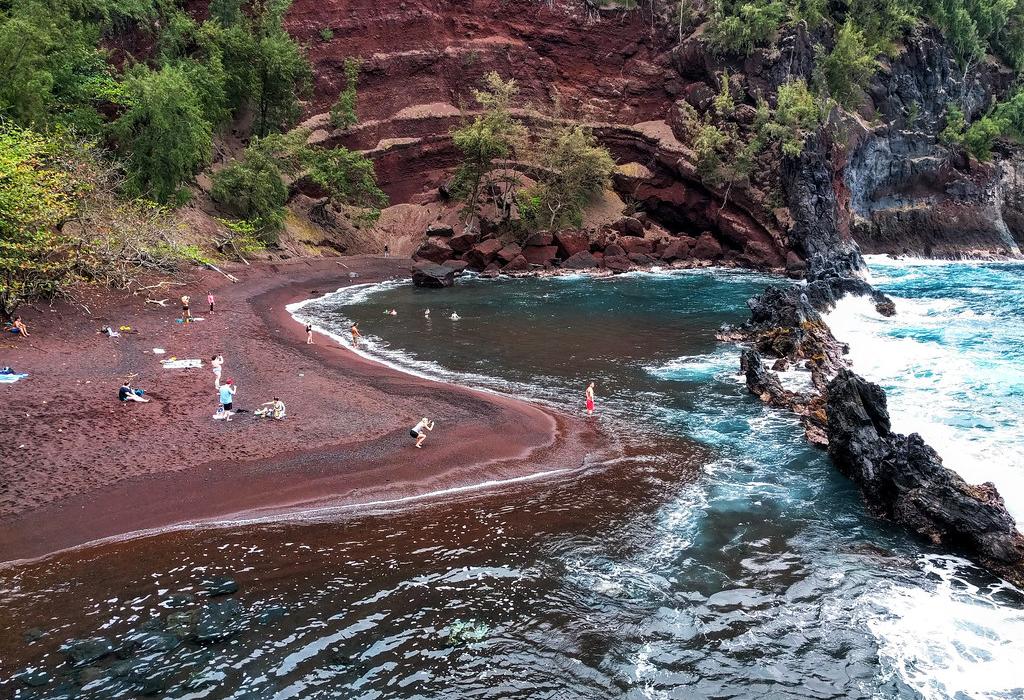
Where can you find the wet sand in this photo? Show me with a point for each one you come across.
(80, 466)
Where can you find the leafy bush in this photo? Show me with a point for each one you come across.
(253, 188)
(848, 67)
(343, 113)
(739, 27)
(796, 115)
(326, 34)
(163, 132)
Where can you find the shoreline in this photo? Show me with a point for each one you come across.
(493, 439)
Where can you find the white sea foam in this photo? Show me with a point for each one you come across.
(953, 641)
(960, 395)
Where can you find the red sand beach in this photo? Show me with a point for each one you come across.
(78, 465)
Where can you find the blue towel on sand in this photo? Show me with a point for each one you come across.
(11, 378)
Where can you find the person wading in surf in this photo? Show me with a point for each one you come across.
(356, 335)
(419, 431)
(590, 399)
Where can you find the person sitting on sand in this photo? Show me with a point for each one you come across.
(126, 393)
(271, 409)
(455, 316)
(18, 327)
(419, 431)
(356, 335)
(217, 362)
(186, 314)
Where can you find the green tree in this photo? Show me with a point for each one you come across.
(574, 169)
(490, 136)
(163, 132)
(797, 114)
(282, 71)
(739, 27)
(343, 113)
(37, 194)
(253, 189)
(849, 66)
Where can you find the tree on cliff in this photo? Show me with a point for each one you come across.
(574, 169)
(343, 113)
(163, 132)
(490, 136)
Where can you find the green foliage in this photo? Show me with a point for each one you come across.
(281, 72)
(254, 188)
(709, 145)
(36, 195)
(227, 13)
(724, 104)
(738, 27)
(574, 168)
(977, 26)
(953, 133)
(490, 136)
(848, 67)
(326, 34)
(343, 113)
(51, 64)
(163, 132)
(796, 115)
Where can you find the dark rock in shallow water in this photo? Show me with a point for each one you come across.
(218, 621)
(427, 274)
(34, 677)
(181, 624)
(220, 585)
(178, 600)
(904, 479)
(84, 651)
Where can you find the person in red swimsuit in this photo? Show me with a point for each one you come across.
(590, 399)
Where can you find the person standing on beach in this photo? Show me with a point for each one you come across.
(309, 334)
(227, 396)
(210, 300)
(387, 251)
(356, 335)
(186, 314)
(590, 399)
(419, 431)
(217, 362)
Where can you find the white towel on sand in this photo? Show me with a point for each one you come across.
(181, 364)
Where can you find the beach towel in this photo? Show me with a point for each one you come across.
(181, 364)
(11, 378)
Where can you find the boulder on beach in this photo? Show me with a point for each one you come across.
(439, 229)
(540, 238)
(220, 585)
(517, 264)
(540, 255)
(510, 252)
(482, 254)
(617, 263)
(218, 621)
(572, 242)
(430, 275)
(582, 260)
(462, 243)
(434, 250)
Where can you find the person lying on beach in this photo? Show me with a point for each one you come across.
(271, 409)
(18, 327)
(419, 431)
(126, 393)
(110, 332)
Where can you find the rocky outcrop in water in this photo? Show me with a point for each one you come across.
(904, 480)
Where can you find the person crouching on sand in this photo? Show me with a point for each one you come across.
(126, 393)
(419, 431)
(590, 399)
